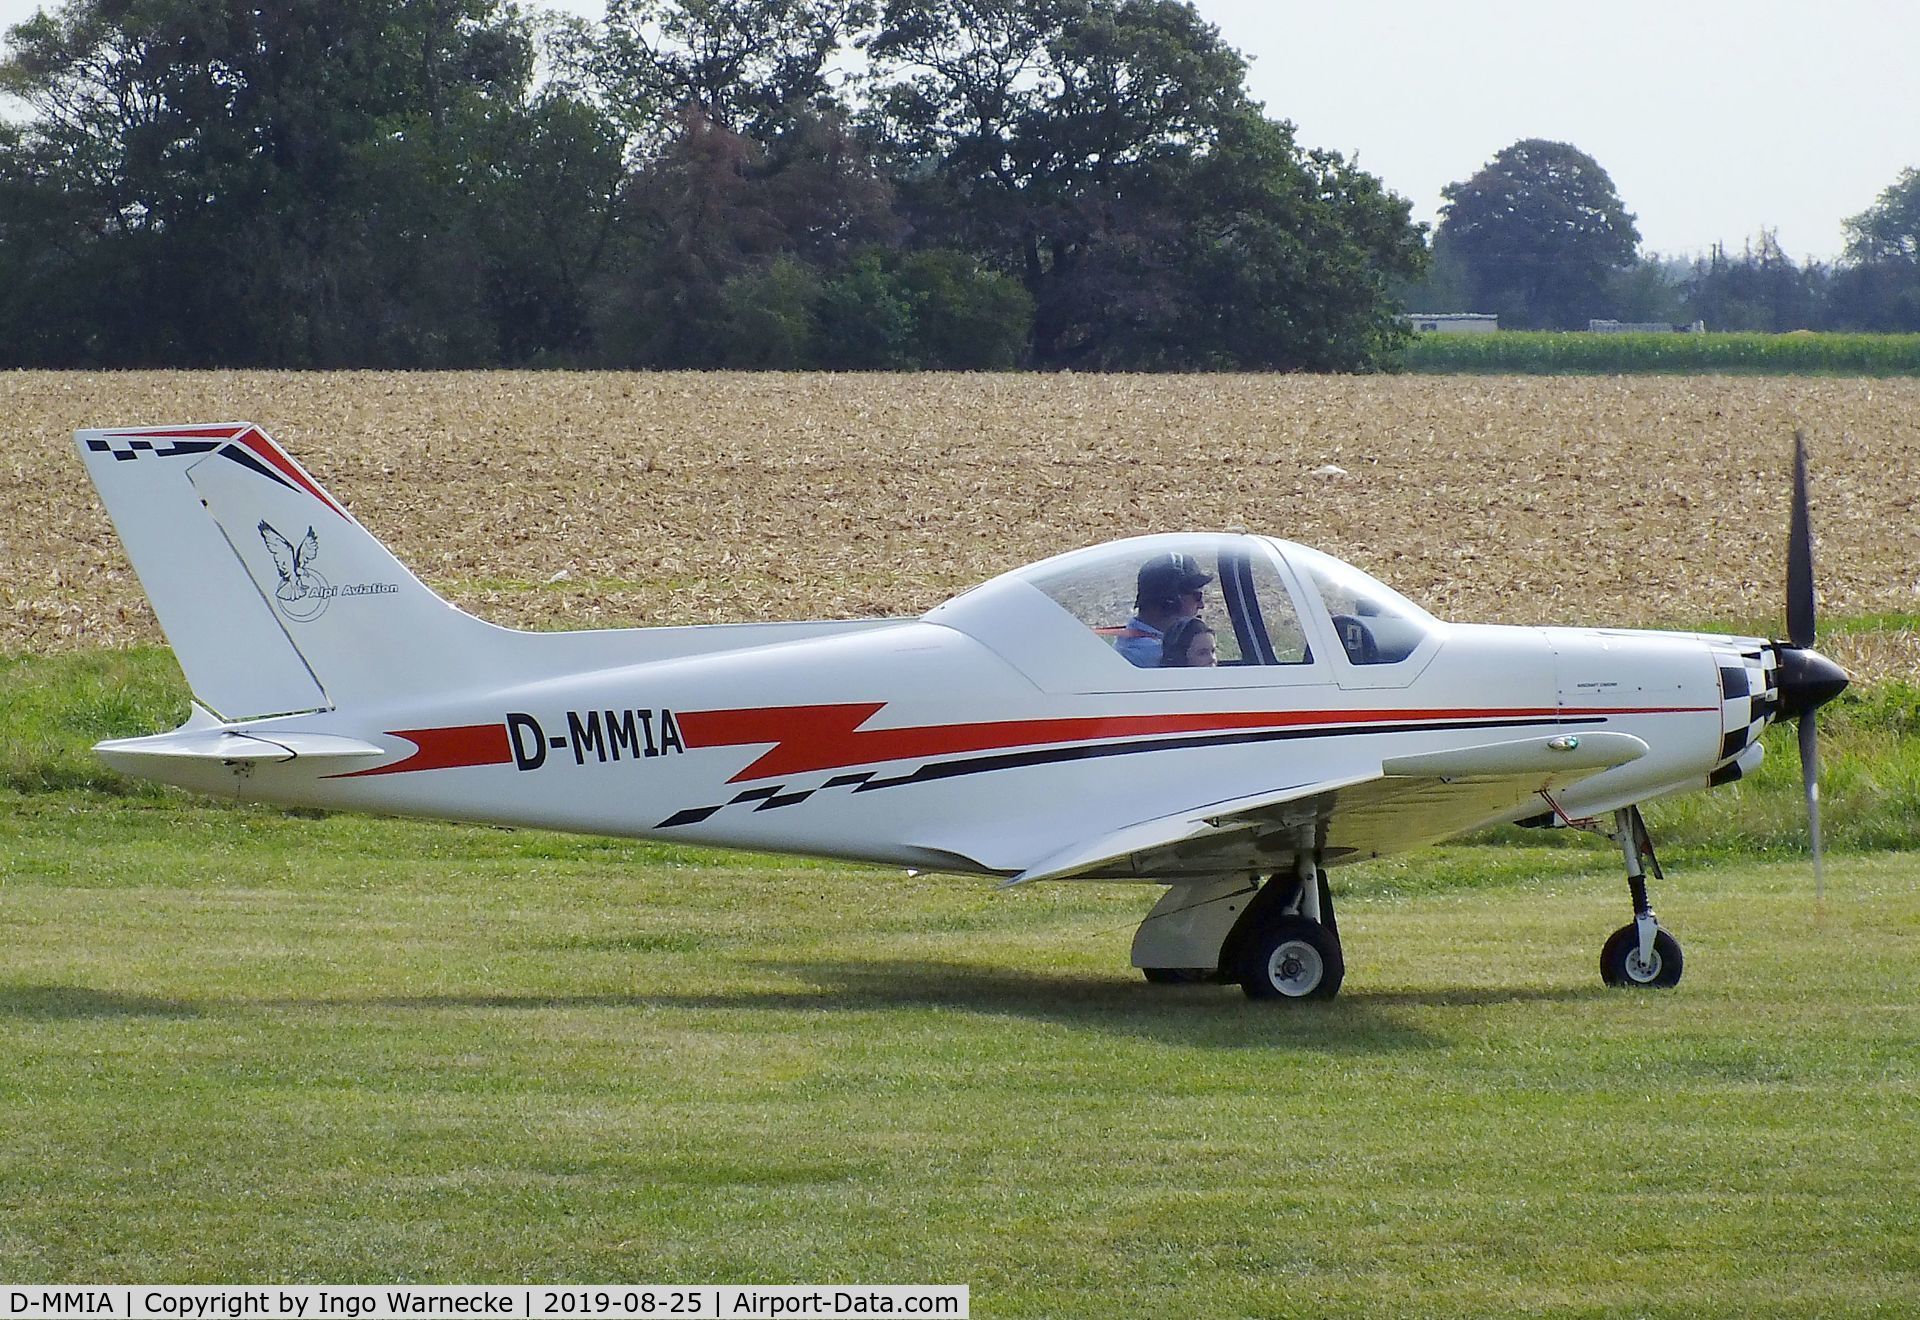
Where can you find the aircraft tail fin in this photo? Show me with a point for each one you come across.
(274, 598)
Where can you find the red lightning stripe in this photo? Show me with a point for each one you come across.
(829, 737)
(181, 433)
(805, 738)
(446, 749)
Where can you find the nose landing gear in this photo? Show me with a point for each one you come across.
(1639, 954)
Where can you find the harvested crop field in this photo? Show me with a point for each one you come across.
(592, 499)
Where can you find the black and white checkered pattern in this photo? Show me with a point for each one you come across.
(126, 450)
(1749, 697)
(768, 798)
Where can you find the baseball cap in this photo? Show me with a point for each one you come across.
(1166, 576)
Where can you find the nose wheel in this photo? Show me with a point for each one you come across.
(1622, 963)
(1640, 954)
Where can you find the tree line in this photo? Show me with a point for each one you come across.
(688, 183)
(1541, 237)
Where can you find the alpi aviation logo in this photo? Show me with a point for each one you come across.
(303, 594)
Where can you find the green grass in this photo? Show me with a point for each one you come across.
(1578, 352)
(240, 1044)
(54, 708)
(244, 1046)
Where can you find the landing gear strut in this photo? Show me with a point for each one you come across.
(1639, 953)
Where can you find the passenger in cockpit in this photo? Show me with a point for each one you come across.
(1189, 644)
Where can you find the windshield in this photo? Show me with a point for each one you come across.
(1376, 625)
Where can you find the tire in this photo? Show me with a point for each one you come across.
(1620, 961)
(1292, 959)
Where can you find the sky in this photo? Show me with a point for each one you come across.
(1715, 118)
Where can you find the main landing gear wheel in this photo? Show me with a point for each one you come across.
(1293, 958)
(1621, 965)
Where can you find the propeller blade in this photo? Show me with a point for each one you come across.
(1800, 553)
(1810, 777)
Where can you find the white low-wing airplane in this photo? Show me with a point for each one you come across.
(1003, 733)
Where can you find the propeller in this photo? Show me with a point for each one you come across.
(1807, 680)
(1800, 623)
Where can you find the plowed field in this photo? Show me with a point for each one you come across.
(583, 500)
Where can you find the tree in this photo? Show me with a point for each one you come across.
(1105, 153)
(1539, 230)
(1441, 287)
(754, 67)
(1762, 291)
(707, 211)
(290, 184)
(965, 317)
(1653, 288)
(865, 320)
(546, 206)
(1889, 230)
(1291, 256)
(1878, 287)
(768, 317)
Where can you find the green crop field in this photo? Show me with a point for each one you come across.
(1802, 353)
(242, 1044)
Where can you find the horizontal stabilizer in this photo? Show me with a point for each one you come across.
(228, 747)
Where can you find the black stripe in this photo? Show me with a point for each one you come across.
(1055, 755)
(246, 460)
(1733, 682)
(784, 800)
(756, 794)
(690, 816)
(1734, 743)
(841, 781)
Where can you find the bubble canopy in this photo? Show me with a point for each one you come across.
(1277, 612)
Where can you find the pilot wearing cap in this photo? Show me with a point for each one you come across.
(1170, 589)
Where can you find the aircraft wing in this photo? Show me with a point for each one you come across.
(1412, 800)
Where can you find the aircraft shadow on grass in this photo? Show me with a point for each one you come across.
(1206, 1016)
(66, 1003)
(1360, 1023)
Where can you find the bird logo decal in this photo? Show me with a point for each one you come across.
(302, 593)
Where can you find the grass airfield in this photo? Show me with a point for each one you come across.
(242, 1045)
